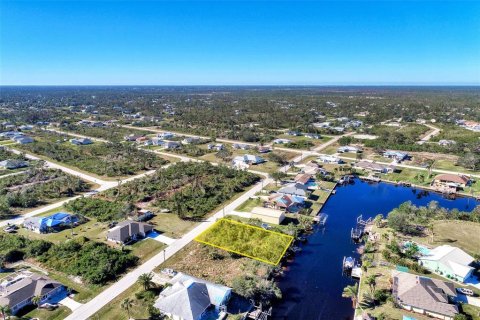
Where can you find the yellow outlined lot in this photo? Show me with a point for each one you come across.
(246, 240)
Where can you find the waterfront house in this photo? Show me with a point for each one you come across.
(11, 164)
(18, 290)
(424, 295)
(128, 231)
(285, 202)
(281, 141)
(190, 298)
(329, 159)
(313, 168)
(450, 181)
(55, 222)
(448, 261)
(295, 189)
(395, 155)
(81, 141)
(303, 178)
(268, 215)
(351, 149)
(373, 167)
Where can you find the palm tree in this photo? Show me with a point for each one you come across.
(352, 293)
(4, 310)
(36, 300)
(127, 303)
(145, 280)
(371, 282)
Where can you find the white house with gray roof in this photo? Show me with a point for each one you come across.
(190, 298)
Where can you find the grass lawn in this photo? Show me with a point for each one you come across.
(207, 263)
(316, 142)
(472, 311)
(445, 164)
(248, 205)
(146, 248)
(114, 310)
(462, 234)
(43, 314)
(408, 175)
(171, 225)
(243, 239)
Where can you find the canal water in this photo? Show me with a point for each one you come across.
(313, 284)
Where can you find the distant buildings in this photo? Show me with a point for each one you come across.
(81, 141)
(373, 167)
(216, 147)
(190, 298)
(244, 161)
(11, 164)
(350, 149)
(329, 159)
(396, 155)
(281, 141)
(23, 139)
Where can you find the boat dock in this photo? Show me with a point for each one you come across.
(321, 219)
(361, 228)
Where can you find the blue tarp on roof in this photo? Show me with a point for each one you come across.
(57, 219)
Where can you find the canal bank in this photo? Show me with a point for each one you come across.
(312, 284)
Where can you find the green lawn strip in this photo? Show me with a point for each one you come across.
(253, 242)
(146, 249)
(114, 310)
(248, 205)
(59, 313)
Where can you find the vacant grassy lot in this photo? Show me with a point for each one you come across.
(248, 205)
(249, 241)
(462, 234)
(208, 263)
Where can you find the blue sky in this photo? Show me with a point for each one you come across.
(315, 42)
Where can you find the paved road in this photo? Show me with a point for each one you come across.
(189, 135)
(54, 165)
(434, 131)
(76, 135)
(90, 308)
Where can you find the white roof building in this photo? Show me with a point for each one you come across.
(449, 261)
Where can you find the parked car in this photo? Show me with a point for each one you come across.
(11, 228)
(465, 291)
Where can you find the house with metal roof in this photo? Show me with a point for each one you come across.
(396, 155)
(55, 222)
(190, 298)
(450, 181)
(17, 290)
(81, 141)
(128, 231)
(450, 262)
(424, 295)
(11, 164)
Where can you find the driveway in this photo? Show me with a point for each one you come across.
(160, 237)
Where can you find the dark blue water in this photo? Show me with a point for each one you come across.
(312, 287)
